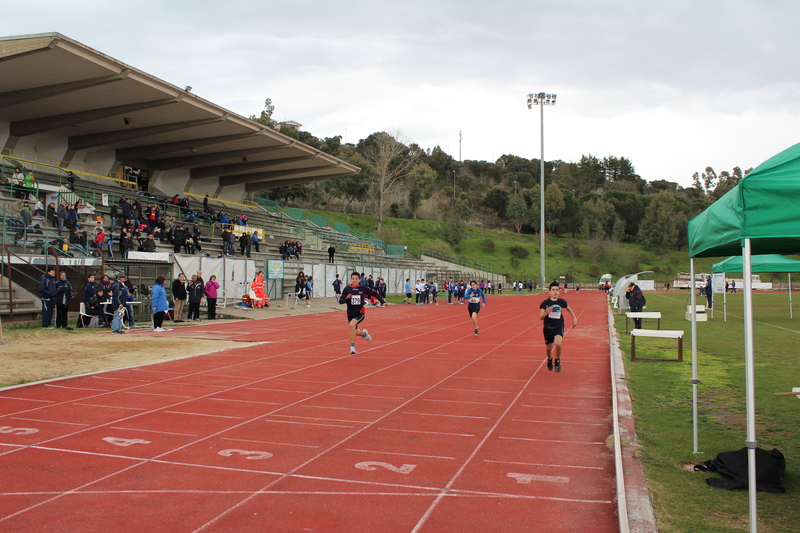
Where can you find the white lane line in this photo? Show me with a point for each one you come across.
(50, 421)
(391, 386)
(473, 390)
(398, 453)
(277, 390)
(155, 394)
(158, 371)
(569, 408)
(342, 408)
(568, 395)
(75, 388)
(449, 416)
(459, 401)
(123, 379)
(25, 399)
(544, 464)
(367, 396)
(552, 440)
(306, 423)
(270, 442)
(559, 422)
(154, 431)
(244, 401)
(428, 432)
(204, 414)
(309, 381)
(111, 406)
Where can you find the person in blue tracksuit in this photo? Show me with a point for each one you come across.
(159, 303)
(474, 296)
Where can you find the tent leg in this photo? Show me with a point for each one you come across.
(751, 442)
(790, 295)
(695, 381)
(724, 303)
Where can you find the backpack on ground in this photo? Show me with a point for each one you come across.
(770, 469)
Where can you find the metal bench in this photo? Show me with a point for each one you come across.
(643, 315)
(659, 334)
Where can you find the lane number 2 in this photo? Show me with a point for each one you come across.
(372, 465)
(18, 431)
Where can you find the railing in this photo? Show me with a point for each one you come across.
(461, 262)
(395, 250)
(225, 200)
(55, 167)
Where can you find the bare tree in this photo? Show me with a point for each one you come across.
(391, 160)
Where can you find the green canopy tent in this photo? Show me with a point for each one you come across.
(758, 216)
(759, 263)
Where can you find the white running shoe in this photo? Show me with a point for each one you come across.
(160, 330)
(352, 350)
(367, 336)
(308, 305)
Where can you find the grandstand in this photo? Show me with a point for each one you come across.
(87, 127)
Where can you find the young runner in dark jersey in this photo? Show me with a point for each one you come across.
(355, 296)
(474, 296)
(551, 314)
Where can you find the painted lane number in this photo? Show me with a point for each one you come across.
(18, 431)
(252, 455)
(116, 441)
(371, 465)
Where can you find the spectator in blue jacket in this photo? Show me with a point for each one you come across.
(160, 304)
(48, 292)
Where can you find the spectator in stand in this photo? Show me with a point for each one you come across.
(52, 217)
(283, 249)
(176, 200)
(178, 239)
(38, 209)
(331, 253)
(106, 284)
(114, 216)
(48, 292)
(196, 292)
(224, 220)
(26, 214)
(255, 240)
(244, 244)
(61, 216)
(72, 217)
(16, 212)
(17, 182)
(149, 244)
(298, 251)
(180, 295)
(244, 220)
(205, 204)
(211, 297)
(196, 243)
(159, 303)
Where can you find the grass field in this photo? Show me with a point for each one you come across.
(662, 395)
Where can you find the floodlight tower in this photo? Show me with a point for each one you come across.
(541, 99)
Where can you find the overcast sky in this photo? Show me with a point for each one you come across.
(674, 86)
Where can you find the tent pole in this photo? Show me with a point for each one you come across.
(695, 381)
(790, 295)
(750, 443)
(724, 301)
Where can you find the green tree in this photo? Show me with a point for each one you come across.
(420, 180)
(497, 199)
(659, 229)
(517, 212)
(553, 206)
(265, 117)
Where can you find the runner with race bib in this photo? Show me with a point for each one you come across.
(355, 296)
(474, 296)
(551, 313)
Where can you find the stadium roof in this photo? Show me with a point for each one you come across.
(53, 86)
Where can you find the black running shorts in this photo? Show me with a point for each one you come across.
(550, 334)
(357, 316)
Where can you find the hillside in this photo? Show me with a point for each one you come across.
(579, 260)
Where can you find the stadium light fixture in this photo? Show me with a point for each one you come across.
(541, 99)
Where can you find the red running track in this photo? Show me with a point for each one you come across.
(428, 429)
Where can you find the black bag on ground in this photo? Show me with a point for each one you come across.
(770, 468)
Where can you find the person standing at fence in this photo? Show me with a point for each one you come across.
(551, 313)
(337, 287)
(196, 292)
(48, 292)
(331, 253)
(309, 290)
(474, 296)
(179, 294)
(709, 292)
(211, 288)
(636, 302)
(63, 296)
(159, 303)
(355, 296)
